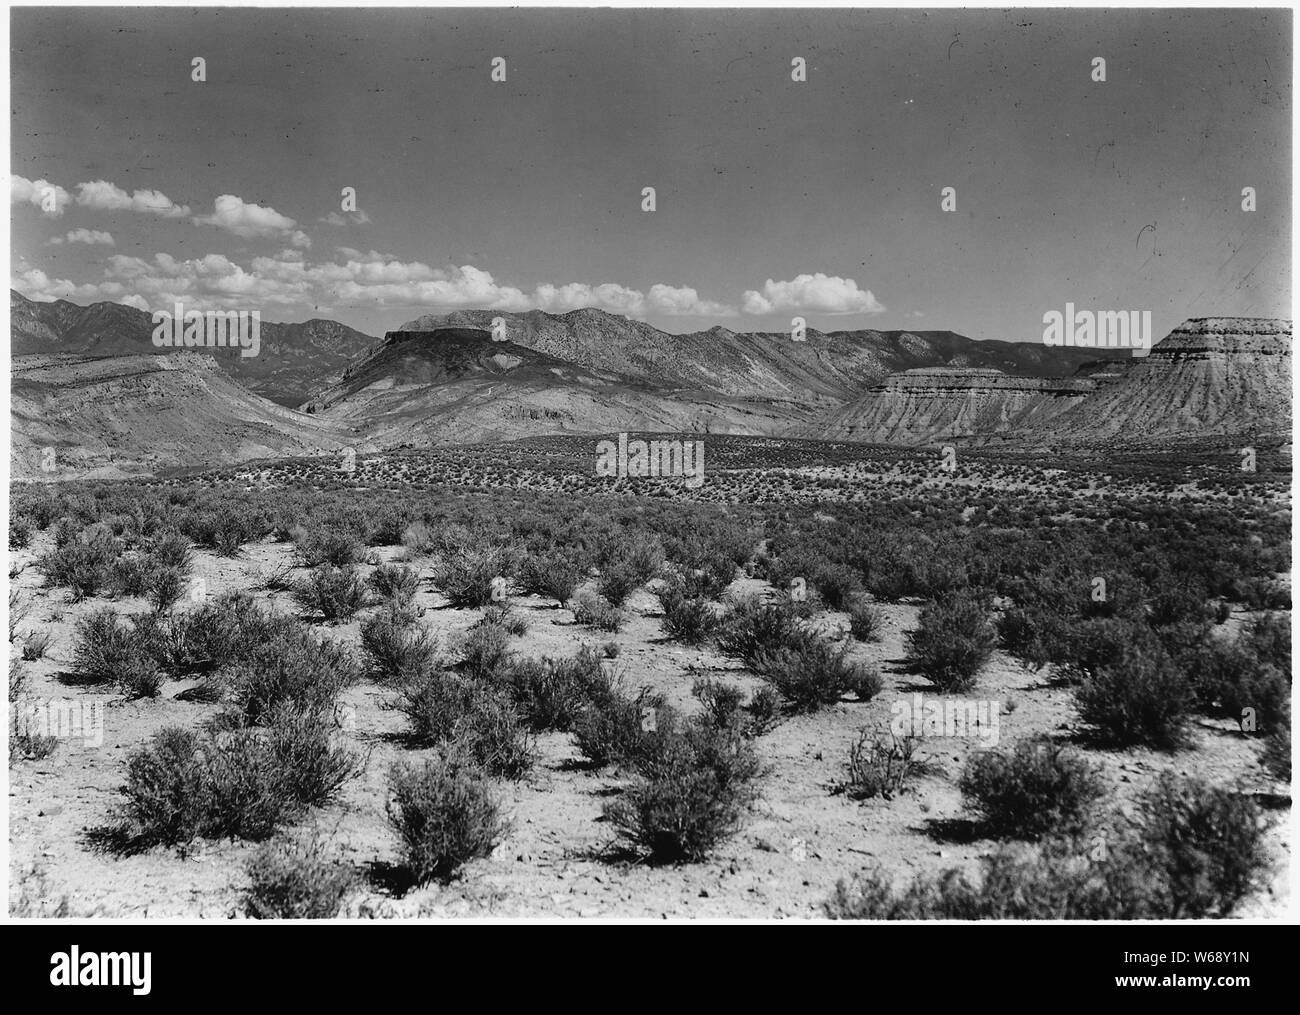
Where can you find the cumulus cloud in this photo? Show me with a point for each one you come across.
(35, 284)
(49, 197)
(251, 221)
(105, 196)
(351, 218)
(822, 294)
(87, 236)
(685, 301)
(288, 280)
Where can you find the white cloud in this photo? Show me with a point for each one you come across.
(823, 294)
(248, 221)
(105, 196)
(288, 280)
(352, 218)
(87, 236)
(37, 285)
(576, 295)
(49, 197)
(685, 301)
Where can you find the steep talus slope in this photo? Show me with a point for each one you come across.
(294, 359)
(1219, 376)
(924, 405)
(116, 415)
(457, 385)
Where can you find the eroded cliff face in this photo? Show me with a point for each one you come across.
(928, 404)
(1210, 377)
(123, 415)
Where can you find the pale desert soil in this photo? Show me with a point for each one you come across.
(783, 863)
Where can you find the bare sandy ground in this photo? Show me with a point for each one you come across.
(784, 862)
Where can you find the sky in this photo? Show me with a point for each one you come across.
(773, 198)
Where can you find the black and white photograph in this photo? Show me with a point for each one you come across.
(649, 464)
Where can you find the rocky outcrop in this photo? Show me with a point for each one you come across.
(926, 405)
(1224, 377)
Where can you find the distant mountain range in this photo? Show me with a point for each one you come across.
(295, 359)
(89, 381)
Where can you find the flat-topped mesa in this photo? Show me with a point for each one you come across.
(1222, 377)
(1226, 336)
(979, 379)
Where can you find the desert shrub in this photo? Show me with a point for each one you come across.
(688, 620)
(243, 792)
(750, 627)
(837, 584)
(1268, 638)
(445, 814)
(1083, 648)
(721, 702)
(1037, 789)
(465, 575)
(20, 606)
(27, 739)
(1012, 885)
(165, 788)
(319, 547)
(312, 762)
(554, 575)
(1230, 680)
(231, 532)
(397, 650)
(878, 767)
(242, 783)
(551, 693)
(277, 579)
(689, 795)
(481, 720)
(591, 610)
(485, 651)
(617, 581)
(865, 621)
(1178, 601)
(35, 645)
(1140, 697)
(953, 641)
(17, 680)
(165, 586)
(504, 617)
(129, 575)
(1206, 842)
(20, 532)
(293, 668)
(418, 538)
(171, 549)
(811, 672)
(106, 651)
(295, 878)
(224, 630)
(387, 526)
(1276, 755)
(334, 593)
(85, 568)
(1196, 852)
(763, 706)
(704, 576)
(616, 729)
(394, 582)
